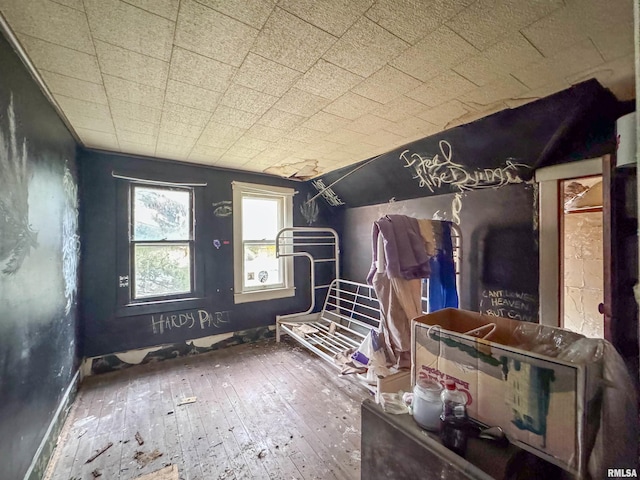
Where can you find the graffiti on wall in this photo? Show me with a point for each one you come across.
(70, 238)
(201, 319)
(223, 208)
(16, 236)
(327, 192)
(309, 210)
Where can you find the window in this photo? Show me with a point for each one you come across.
(259, 212)
(161, 242)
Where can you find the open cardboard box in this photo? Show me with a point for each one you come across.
(545, 405)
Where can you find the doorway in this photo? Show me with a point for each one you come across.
(582, 255)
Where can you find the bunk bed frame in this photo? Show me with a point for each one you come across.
(350, 309)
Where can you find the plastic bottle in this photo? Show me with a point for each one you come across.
(454, 432)
(451, 397)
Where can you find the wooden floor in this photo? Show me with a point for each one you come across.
(263, 410)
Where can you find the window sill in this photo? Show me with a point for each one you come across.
(261, 295)
(158, 306)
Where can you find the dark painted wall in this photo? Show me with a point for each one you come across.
(104, 330)
(479, 176)
(38, 264)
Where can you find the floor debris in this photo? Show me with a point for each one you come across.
(99, 452)
(187, 400)
(139, 438)
(262, 454)
(169, 472)
(144, 458)
(96, 473)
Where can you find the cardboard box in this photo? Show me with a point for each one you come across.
(541, 402)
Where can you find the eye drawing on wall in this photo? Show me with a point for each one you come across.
(16, 236)
(70, 238)
(309, 209)
(222, 209)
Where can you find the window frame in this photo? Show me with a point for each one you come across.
(284, 196)
(127, 304)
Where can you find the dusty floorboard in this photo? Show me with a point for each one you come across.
(265, 411)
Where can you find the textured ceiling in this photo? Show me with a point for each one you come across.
(302, 87)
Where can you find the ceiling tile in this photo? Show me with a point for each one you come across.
(49, 21)
(93, 139)
(138, 148)
(504, 57)
(441, 89)
(411, 20)
(617, 75)
(206, 154)
(126, 26)
(487, 21)
(360, 151)
(303, 134)
(133, 92)
(171, 151)
(384, 138)
(499, 90)
(165, 8)
(278, 119)
(134, 111)
(136, 126)
(333, 16)
(351, 106)
(173, 112)
(247, 141)
(125, 136)
(193, 69)
(365, 48)
(233, 116)
(325, 122)
(170, 139)
(212, 34)
(413, 126)
(253, 13)
(399, 108)
(323, 146)
(265, 76)
(62, 60)
(171, 127)
(368, 124)
(104, 125)
(247, 100)
(231, 161)
(122, 63)
(219, 135)
(327, 80)
(615, 42)
(579, 57)
(192, 96)
(77, 4)
(75, 106)
(300, 103)
(445, 113)
(263, 132)
(73, 87)
(275, 155)
(386, 84)
(290, 41)
(434, 54)
(240, 151)
(345, 137)
(290, 144)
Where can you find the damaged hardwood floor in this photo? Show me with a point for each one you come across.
(262, 410)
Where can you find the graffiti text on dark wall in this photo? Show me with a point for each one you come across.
(327, 192)
(509, 304)
(201, 319)
(439, 170)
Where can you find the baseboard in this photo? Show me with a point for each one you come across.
(47, 445)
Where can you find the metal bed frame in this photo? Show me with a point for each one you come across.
(350, 309)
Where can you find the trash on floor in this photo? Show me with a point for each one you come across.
(169, 472)
(99, 452)
(187, 400)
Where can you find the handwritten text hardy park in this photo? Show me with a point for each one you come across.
(440, 170)
(188, 320)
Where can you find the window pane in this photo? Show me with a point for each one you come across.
(161, 270)
(161, 214)
(260, 219)
(261, 267)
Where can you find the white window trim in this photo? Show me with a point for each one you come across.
(549, 245)
(267, 293)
